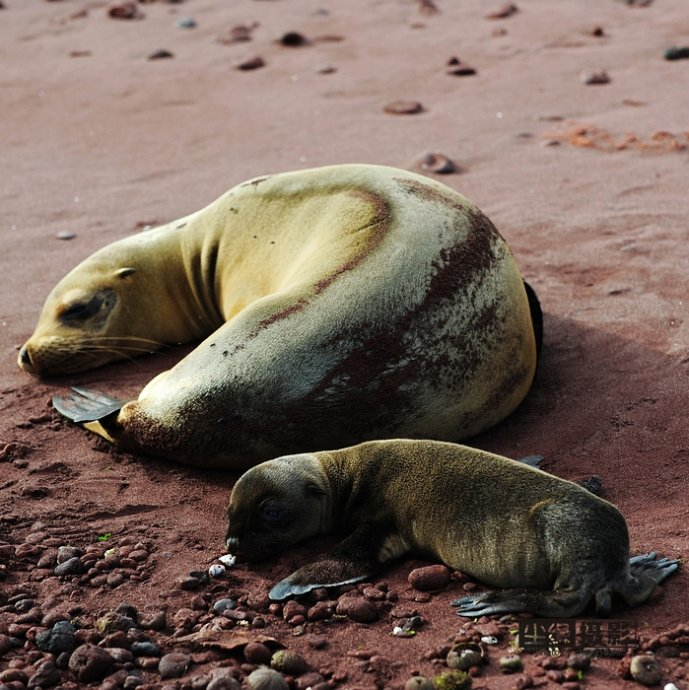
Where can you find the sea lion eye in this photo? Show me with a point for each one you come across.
(273, 512)
(80, 311)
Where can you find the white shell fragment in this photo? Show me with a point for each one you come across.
(228, 560)
(216, 570)
(487, 639)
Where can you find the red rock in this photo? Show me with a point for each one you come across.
(357, 609)
(90, 663)
(125, 10)
(430, 578)
(403, 108)
(250, 63)
(507, 10)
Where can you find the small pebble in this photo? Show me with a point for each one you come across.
(594, 77)
(186, 23)
(645, 669)
(60, 638)
(437, 163)
(457, 68)
(217, 570)
(66, 235)
(675, 53)
(238, 34)
(257, 653)
(160, 55)
(125, 10)
(228, 560)
(266, 679)
(288, 662)
(510, 663)
(403, 108)
(507, 10)
(46, 675)
(250, 63)
(145, 648)
(463, 658)
(293, 39)
(223, 605)
(173, 665)
(357, 609)
(579, 662)
(429, 578)
(73, 566)
(90, 663)
(418, 683)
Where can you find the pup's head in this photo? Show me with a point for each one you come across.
(276, 505)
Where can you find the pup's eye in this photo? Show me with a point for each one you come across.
(272, 511)
(80, 311)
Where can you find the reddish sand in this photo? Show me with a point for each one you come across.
(588, 183)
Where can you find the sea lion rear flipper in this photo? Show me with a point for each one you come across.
(352, 560)
(548, 604)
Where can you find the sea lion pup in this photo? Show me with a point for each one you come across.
(338, 304)
(498, 520)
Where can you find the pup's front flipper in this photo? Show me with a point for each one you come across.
(362, 554)
(88, 407)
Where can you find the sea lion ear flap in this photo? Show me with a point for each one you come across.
(124, 272)
(314, 490)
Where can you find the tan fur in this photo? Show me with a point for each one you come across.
(337, 304)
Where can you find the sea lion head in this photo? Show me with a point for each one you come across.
(87, 320)
(276, 505)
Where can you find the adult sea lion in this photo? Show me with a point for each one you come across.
(498, 520)
(338, 304)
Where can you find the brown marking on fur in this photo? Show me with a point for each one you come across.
(380, 224)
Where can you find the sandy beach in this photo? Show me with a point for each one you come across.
(570, 132)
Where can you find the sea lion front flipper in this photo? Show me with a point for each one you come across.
(88, 408)
(85, 405)
(354, 559)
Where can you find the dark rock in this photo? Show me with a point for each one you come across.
(72, 566)
(293, 39)
(161, 54)
(90, 663)
(250, 63)
(60, 638)
(675, 53)
(145, 649)
(257, 653)
(45, 676)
